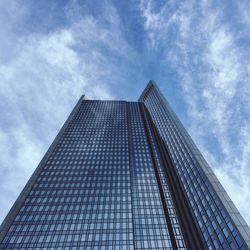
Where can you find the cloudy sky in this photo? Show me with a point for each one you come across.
(198, 51)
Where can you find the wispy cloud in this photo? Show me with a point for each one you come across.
(205, 47)
(43, 75)
(47, 63)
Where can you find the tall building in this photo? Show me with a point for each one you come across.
(124, 175)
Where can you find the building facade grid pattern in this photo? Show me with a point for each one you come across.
(215, 224)
(149, 220)
(103, 185)
(98, 189)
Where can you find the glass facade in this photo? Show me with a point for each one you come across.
(104, 184)
(150, 230)
(214, 221)
(82, 197)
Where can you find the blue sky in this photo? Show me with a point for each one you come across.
(198, 52)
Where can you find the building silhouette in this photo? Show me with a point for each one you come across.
(124, 175)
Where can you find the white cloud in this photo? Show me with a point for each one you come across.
(11, 17)
(201, 43)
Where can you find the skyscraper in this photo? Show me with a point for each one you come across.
(124, 175)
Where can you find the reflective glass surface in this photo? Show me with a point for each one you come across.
(148, 215)
(213, 220)
(98, 188)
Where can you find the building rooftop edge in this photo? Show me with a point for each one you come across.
(151, 83)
